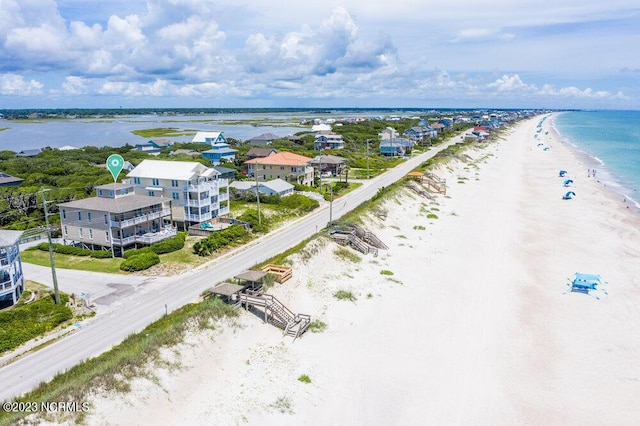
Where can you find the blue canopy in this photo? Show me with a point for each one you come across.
(562, 173)
(586, 277)
(546, 148)
(585, 281)
(569, 195)
(567, 182)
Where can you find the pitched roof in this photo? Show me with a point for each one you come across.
(328, 159)
(201, 137)
(282, 159)
(261, 152)
(9, 238)
(179, 170)
(115, 205)
(6, 179)
(265, 137)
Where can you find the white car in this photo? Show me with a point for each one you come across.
(325, 174)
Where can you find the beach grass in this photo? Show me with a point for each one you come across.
(345, 295)
(347, 255)
(304, 378)
(317, 326)
(134, 357)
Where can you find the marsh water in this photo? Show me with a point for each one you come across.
(117, 131)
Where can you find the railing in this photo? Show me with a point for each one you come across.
(197, 217)
(155, 237)
(139, 219)
(196, 203)
(7, 286)
(223, 210)
(124, 241)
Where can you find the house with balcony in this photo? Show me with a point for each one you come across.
(198, 193)
(328, 141)
(260, 153)
(153, 146)
(329, 164)
(396, 147)
(11, 278)
(209, 138)
(219, 152)
(272, 187)
(287, 166)
(116, 219)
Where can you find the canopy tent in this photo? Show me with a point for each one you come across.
(546, 148)
(586, 283)
(562, 173)
(569, 195)
(540, 144)
(568, 182)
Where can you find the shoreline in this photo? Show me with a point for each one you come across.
(468, 323)
(610, 180)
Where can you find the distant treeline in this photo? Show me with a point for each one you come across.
(58, 113)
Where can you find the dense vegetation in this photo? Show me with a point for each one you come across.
(233, 235)
(22, 323)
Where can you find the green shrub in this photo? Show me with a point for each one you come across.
(317, 326)
(101, 254)
(172, 244)
(386, 272)
(304, 378)
(25, 322)
(345, 295)
(432, 216)
(134, 252)
(299, 202)
(140, 262)
(62, 249)
(234, 234)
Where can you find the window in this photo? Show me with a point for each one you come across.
(89, 217)
(106, 236)
(264, 177)
(174, 183)
(90, 234)
(106, 219)
(175, 196)
(155, 182)
(80, 232)
(281, 167)
(264, 167)
(151, 193)
(64, 214)
(99, 192)
(293, 169)
(66, 232)
(79, 216)
(136, 180)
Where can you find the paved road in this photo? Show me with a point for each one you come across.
(142, 308)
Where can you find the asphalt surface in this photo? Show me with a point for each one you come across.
(146, 302)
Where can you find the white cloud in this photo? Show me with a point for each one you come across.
(75, 85)
(16, 85)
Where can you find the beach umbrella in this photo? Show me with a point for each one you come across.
(540, 144)
(567, 182)
(569, 195)
(546, 148)
(562, 173)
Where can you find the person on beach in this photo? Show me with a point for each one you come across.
(588, 172)
(594, 173)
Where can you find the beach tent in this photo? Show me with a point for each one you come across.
(540, 144)
(568, 182)
(562, 173)
(546, 148)
(569, 195)
(587, 284)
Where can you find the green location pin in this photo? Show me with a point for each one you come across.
(115, 163)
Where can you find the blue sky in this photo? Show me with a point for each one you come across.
(326, 53)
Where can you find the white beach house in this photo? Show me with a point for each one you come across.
(11, 278)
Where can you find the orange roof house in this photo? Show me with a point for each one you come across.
(288, 166)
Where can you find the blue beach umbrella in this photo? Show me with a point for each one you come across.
(569, 195)
(568, 182)
(562, 173)
(546, 148)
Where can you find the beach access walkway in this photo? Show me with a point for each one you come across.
(352, 234)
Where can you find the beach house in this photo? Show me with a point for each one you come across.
(11, 278)
(271, 187)
(263, 139)
(329, 164)
(260, 153)
(396, 147)
(153, 146)
(197, 192)
(219, 152)
(288, 166)
(328, 141)
(116, 219)
(209, 137)
(8, 180)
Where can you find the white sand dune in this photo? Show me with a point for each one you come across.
(472, 327)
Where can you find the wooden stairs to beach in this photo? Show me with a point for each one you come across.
(419, 190)
(276, 313)
(360, 239)
(435, 183)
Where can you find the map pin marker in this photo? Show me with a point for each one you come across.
(115, 163)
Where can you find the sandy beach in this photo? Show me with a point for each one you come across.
(470, 325)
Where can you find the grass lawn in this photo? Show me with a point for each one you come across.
(83, 263)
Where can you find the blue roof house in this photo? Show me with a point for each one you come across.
(396, 147)
(219, 152)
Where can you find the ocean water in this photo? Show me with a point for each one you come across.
(611, 139)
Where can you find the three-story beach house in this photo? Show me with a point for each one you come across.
(288, 166)
(198, 193)
(11, 278)
(116, 218)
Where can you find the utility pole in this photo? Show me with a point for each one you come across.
(255, 173)
(330, 203)
(368, 176)
(51, 257)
